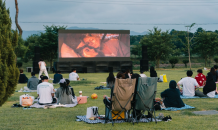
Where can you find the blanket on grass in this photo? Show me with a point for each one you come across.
(178, 109)
(184, 97)
(101, 88)
(36, 105)
(83, 118)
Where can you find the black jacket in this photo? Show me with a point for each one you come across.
(23, 78)
(172, 96)
(210, 84)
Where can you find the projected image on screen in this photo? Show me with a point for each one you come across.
(75, 45)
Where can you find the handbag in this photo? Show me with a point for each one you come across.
(27, 101)
(92, 112)
(26, 96)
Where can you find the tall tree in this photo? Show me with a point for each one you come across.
(20, 49)
(159, 45)
(48, 43)
(206, 45)
(9, 73)
(16, 19)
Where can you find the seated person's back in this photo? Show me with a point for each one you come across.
(45, 91)
(57, 77)
(200, 78)
(33, 82)
(189, 84)
(142, 74)
(153, 73)
(110, 80)
(22, 78)
(171, 96)
(73, 76)
(64, 93)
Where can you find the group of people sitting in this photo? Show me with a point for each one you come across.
(45, 90)
(187, 86)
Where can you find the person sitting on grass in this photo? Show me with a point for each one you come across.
(142, 74)
(45, 92)
(210, 87)
(189, 84)
(73, 76)
(41, 79)
(32, 83)
(153, 73)
(200, 78)
(110, 80)
(63, 93)
(68, 84)
(22, 78)
(171, 96)
(57, 77)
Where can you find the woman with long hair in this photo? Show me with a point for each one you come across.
(210, 87)
(110, 80)
(64, 94)
(153, 73)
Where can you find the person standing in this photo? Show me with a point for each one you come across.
(42, 68)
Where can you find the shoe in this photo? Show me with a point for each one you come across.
(45, 107)
(165, 119)
(51, 106)
(169, 118)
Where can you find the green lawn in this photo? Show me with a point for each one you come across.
(64, 118)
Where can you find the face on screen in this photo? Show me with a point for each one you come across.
(94, 45)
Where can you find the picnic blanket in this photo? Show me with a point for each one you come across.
(83, 118)
(178, 109)
(36, 105)
(184, 97)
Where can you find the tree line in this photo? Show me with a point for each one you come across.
(164, 45)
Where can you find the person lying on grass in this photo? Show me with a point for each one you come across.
(64, 93)
(171, 96)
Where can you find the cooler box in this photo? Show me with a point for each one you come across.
(82, 100)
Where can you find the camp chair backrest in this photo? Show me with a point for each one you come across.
(146, 88)
(123, 94)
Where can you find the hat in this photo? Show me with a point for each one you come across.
(45, 77)
(62, 81)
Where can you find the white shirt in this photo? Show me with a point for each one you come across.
(45, 90)
(188, 86)
(142, 75)
(42, 66)
(73, 76)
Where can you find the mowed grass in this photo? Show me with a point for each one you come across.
(64, 118)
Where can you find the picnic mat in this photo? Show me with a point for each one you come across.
(36, 105)
(101, 88)
(178, 109)
(83, 118)
(184, 97)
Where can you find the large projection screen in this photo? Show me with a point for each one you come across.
(94, 45)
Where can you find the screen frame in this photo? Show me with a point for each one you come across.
(93, 58)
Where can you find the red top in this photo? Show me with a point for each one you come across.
(200, 78)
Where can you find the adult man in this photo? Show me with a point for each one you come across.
(45, 92)
(189, 84)
(73, 76)
(57, 77)
(32, 83)
(142, 74)
(42, 67)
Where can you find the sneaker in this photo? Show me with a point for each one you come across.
(165, 119)
(51, 106)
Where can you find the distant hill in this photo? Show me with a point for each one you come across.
(26, 34)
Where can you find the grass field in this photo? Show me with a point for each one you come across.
(64, 118)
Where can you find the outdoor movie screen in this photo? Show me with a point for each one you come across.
(82, 45)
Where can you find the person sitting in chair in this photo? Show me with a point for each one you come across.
(110, 80)
(171, 96)
(22, 78)
(57, 77)
(45, 92)
(32, 83)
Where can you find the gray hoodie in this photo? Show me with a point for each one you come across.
(32, 83)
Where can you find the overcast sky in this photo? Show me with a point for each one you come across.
(134, 15)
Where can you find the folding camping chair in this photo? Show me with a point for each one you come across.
(120, 103)
(145, 97)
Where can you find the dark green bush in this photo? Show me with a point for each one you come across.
(216, 59)
(185, 62)
(19, 64)
(173, 61)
